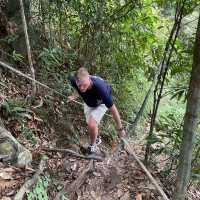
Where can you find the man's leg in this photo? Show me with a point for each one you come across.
(93, 118)
(93, 129)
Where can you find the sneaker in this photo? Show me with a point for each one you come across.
(91, 149)
(98, 140)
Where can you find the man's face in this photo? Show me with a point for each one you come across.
(83, 83)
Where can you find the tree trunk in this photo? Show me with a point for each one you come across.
(28, 47)
(190, 123)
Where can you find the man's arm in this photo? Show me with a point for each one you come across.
(116, 117)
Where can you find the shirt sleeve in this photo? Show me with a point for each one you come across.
(106, 94)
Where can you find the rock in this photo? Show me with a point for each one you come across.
(12, 151)
(8, 150)
(24, 158)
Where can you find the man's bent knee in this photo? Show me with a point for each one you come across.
(92, 124)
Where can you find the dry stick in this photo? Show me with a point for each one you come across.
(75, 154)
(76, 184)
(28, 184)
(28, 46)
(130, 151)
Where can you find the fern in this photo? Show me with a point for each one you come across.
(40, 190)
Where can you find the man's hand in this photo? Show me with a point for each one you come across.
(71, 98)
(116, 117)
(122, 133)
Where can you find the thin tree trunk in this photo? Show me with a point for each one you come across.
(28, 47)
(191, 117)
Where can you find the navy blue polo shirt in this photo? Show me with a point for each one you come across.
(100, 93)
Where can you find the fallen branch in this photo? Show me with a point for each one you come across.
(71, 189)
(75, 154)
(28, 184)
(129, 150)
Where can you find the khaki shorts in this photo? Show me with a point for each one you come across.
(97, 113)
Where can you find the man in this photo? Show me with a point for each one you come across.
(97, 97)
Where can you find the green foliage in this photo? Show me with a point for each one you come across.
(14, 108)
(28, 133)
(40, 190)
(17, 56)
(169, 124)
(51, 57)
(9, 39)
(168, 134)
(179, 91)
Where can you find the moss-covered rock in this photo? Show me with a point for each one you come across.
(12, 151)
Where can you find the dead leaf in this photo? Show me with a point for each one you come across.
(7, 184)
(8, 170)
(95, 195)
(4, 175)
(32, 125)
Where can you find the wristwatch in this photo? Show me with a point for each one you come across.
(120, 129)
